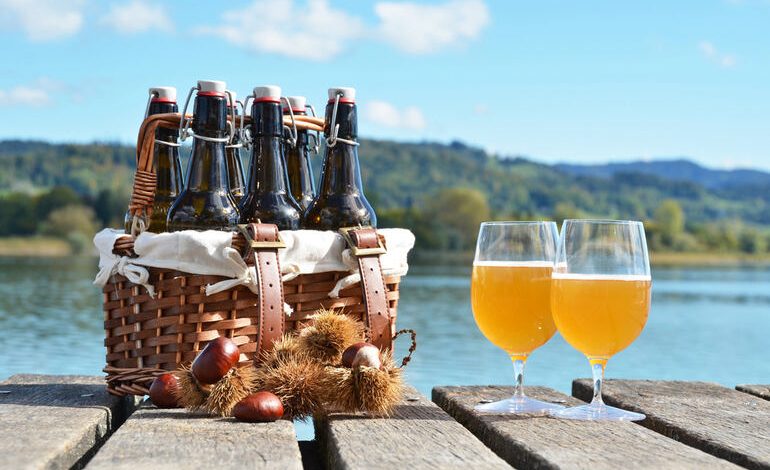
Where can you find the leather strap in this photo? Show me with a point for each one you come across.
(263, 242)
(366, 247)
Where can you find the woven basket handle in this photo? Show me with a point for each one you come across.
(143, 191)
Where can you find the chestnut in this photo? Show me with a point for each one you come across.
(164, 391)
(216, 360)
(362, 354)
(260, 407)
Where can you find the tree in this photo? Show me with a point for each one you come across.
(17, 215)
(751, 241)
(76, 224)
(457, 212)
(669, 220)
(566, 210)
(58, 197)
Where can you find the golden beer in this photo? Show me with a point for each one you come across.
(600, 315)
(511, 304)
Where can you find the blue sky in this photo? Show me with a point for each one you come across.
(556, 81)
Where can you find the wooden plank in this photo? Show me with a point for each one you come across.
(530, 441)
(49, 421)
(761, 391)
(176, 439)
(418, 436)
(718, 420)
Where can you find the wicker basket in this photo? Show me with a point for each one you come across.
(147, 336)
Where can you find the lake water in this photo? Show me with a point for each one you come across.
(705, 324)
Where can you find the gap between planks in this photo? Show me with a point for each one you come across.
(541, 442)
(723, 422)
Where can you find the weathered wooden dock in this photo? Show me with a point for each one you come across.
(71, 422)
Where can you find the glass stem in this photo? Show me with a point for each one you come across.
(597, 369)
(518, 375)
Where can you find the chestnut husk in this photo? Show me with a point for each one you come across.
(235, 386)
(376, 391)
(329, 334)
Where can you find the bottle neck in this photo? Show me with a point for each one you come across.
(347, 119)
(268, 171)
(164, 107)
(268, 174)
(341, 172)
(208, 167)
(210, 116)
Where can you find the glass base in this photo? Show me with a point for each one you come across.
(596, 412)
(518, 405)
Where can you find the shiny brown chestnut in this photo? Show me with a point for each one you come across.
(215, 361)
(164, 391)
(362, 354)
(260, 407)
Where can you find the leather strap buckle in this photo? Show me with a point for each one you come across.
(257, 244)
(353, 244)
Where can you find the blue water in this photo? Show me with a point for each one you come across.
(705, 324)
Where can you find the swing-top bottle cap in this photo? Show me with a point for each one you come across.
(231, 94)
(270, 93)
(297, 104)
(347, 94)
(211, 87)
(163, 94)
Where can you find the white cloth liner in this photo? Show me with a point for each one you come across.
(211, 253)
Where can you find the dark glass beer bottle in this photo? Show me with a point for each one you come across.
(206, 202)
(340, 201)
(233, 153)
(268, 198)
(298, 157)
(168, 169)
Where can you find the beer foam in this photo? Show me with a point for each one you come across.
(515, 264)
(602, 277)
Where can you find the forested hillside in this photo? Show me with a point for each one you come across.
(435, 189)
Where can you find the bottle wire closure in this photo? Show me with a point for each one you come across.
(317, 136)
(292, 139)
(334, 127)
(184, 124)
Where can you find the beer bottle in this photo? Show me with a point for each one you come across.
(340, 201)
(233, 153)
(168, 169)
(297, 157)
(206, 202)
(268, 198)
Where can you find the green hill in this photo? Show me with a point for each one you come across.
(404, 180)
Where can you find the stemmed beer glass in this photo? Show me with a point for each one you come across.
(600, 298)
(510, 295)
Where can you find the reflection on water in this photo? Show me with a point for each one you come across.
(50, 316)
(709, 324)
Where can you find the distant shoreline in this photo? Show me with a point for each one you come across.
(658, 259)
(44, 247)
(54, 247)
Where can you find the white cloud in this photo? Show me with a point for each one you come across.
(314, 31)
(137, 16)
(23, 95)
(422, 29)
(385, 114)
(711, 53)
(42, 20)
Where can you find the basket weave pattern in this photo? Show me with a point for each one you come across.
(147, 336)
